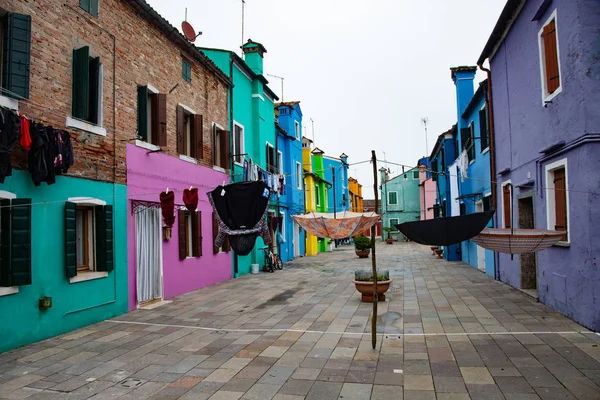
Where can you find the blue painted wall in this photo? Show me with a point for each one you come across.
(73, 304)
(340, 185)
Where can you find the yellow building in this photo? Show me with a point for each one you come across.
(312, 246)
(356, 198)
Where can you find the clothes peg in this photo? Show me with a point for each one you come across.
(190, 188)
(167, 192)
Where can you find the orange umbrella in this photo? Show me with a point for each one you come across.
(344, 225)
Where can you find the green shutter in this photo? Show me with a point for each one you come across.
(21, 242)
(94, 8)
(94, 87)
(5, 242)
(81, 82)
(17, 46)
(85, 4)
(104, 238)
(70, 240)
(142, 112)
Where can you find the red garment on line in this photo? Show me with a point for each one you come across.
(190, 199)
(24, 136)
(167, 205)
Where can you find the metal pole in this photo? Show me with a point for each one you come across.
(334, 204)
(373, 261)
(243, 3)
(424, 121)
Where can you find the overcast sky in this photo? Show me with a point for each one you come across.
(365, 71)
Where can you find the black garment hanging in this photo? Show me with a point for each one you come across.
(50, 155)
(9, 125)
(38, 166)
(446, 231)
(241, 210)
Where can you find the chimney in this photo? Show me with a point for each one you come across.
(253, 55)
(463, 80)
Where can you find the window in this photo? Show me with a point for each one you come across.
(238, 143)
(471, 143)
(221, 145)
(87, 86)
(280, 162)
(190, 132)
(152, 116)
(190, 233)
(463, 209)
(88, 237)
(15, 44)
(186, 70)
(416, 175)
(282, 224)
(15, 243)
(549, 59)
(270, 159)
(507, 204)
(297, 129)
(487, 203)
(393, 198)
(557, 198)
(298, 175)
(393, 223)
(484, 131)
(90, 6)
(317, 196)
(434, 170)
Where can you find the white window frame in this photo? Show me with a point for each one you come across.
(393, 229)
(267, 157)
(282, 229)
(241, 149)
(297, 129)
(187, 134)
(96, 129)
(550, 201)
(299, 177)
(214, 143)
(317, 197)
(280, 161)
(487, 149)
(388, 198)
(545, 96)
(5, 291)
(418, 175)
(502, 201)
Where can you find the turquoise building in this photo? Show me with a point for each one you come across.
(252, 126)
(400, 198)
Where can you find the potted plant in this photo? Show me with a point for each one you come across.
(363, 280)
(362, 246)
(389, 239)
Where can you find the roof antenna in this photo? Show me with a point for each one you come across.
(188, 30)
(243, 4)
(279, 77)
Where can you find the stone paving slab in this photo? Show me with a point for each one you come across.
(446, 332)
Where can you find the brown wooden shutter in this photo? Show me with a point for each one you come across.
(215, 229)
(226, 245)
(551, 56)
(180, 130)
(197, 234)
(198, 137)
(560, 202)
(162, 119)
(182, 233)
(224, 146)
(506, 204)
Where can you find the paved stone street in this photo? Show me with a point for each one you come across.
(447, 332)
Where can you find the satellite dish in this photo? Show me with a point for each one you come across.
(188, 31)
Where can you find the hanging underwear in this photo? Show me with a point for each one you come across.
(241, 210)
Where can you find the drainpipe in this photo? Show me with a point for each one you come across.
(489, 101)
(232, 159)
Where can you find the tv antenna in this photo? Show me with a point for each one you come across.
(281, 78)
(424, 121)
(243, 4)
(188, 30)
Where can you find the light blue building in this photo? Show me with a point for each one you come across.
(339, 191)
(400, 197)
(291, 202)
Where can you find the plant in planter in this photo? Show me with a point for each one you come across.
(363, 280)
(362, 246)
(389, 239)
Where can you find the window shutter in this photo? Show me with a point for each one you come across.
(225, 151)
(94, 8)
(436, 211)
(560, 202)
(463, 209)
(465, 134)
(70, 240)
(104, 238)
(471, 142)
(197, 234)
(215, 229)
(20, 242)
(17, 55)
(551, 56)
(5, 242)
(198, 136)
(226, 245)
(180, 130)
(506, 197)
(483, 129)
(161, 111)
(81, 82)
(142, 112)
(94, 89)
(85, 4)
(182, 233)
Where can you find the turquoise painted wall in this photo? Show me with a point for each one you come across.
(407, 209)
(73, 304)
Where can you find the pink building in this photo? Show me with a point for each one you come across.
(426, 191)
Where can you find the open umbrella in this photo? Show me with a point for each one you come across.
(339, 226)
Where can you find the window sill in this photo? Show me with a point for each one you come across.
(239, 164)
(86, 201)
(486, 150)
(87, 276)
(9, 102)
(560, 243)
(471, 162)
(5, 291)
(85, 126)
(189, 159)
(146, 145)
(216, 168)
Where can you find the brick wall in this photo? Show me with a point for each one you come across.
(133, 52)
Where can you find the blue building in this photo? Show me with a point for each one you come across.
(291, 202)
(474, 191)
(339, 189)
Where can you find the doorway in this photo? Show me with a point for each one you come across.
(480, 250)
(148, 255)
(528, 261)
(296, 243)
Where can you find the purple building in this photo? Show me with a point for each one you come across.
(545, 72)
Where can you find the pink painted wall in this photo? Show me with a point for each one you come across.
(427, 194)
(147, 176)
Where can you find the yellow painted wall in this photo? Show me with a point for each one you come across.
(312, 245)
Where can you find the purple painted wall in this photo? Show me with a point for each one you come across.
(568, 278)
(147, 176)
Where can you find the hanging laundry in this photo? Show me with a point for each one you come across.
(255, 172)
(38, 167)
(464, 165)
(50, 155)
(281, 184)
(64, 158)
(246, 173)
(167, 205)
(9, 126)
(240, 209)
(24, 137)
(190, 199)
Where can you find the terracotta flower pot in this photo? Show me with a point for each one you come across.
(389, 241)
(362, 253)
(433, 250)
(366, 289)
(439, 252)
